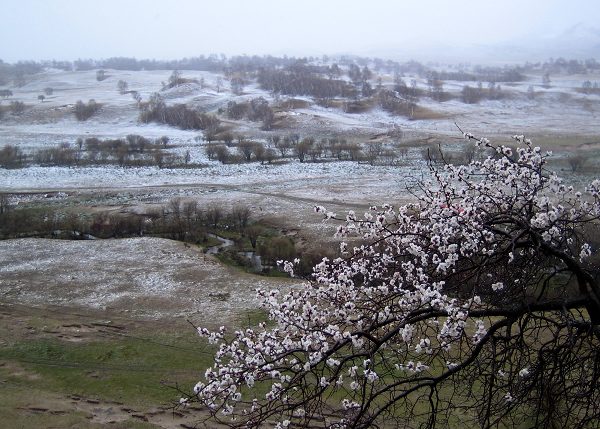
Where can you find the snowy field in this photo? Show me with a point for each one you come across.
(157, 278)
(559, 110)
(141, 277)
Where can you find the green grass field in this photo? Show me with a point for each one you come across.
(44, 378)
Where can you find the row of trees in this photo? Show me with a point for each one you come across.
(356, 68)
(12, 157)
(485, 74)
(472, 95)
(131, 151)
(179, 219)
(185, 220)
(568, 66)
(301, 80)
(395, 103)
(18, 73)
(304, 149)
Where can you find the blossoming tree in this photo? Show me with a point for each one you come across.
(475, 304)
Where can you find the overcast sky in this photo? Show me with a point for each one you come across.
(71, 29)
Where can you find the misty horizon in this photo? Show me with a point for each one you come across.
(463, 30)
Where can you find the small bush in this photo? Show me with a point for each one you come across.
(11, 157)
(470, 95)
(122, 86)
(395, 105)
(85, 111)
(576, 162)
(176, 79)
(17, 107)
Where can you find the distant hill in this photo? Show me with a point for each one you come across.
(578, 41)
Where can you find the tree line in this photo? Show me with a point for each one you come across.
(178, 219)
(304, 149)
(132, 151)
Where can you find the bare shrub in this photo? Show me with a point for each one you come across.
(576, 162)
(17, 107)
(240, 216)
(85, 111)
(11, 157)
(470, 95)
(5, 205)
(122, 87)
(63, 155)
(222, 154)
(179, 115)
(276, 249)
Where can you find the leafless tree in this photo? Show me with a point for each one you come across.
(270, 155)
(253, 232)
(240, 216)
(222, 154)
(5, 205)
(259, 152)
(122, 86)
(214, 214)
(246, 148)
(374, 151)
(576, 162)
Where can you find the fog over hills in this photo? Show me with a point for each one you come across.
(461, 30)
(578, 41)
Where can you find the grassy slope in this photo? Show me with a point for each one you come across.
(41, 375)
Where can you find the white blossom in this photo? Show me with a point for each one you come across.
(497, 286)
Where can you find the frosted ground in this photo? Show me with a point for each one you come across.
(283, 191)
(559, 110)
(138, 277)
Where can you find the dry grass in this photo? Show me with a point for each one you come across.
(423, 113)
(293, 103)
